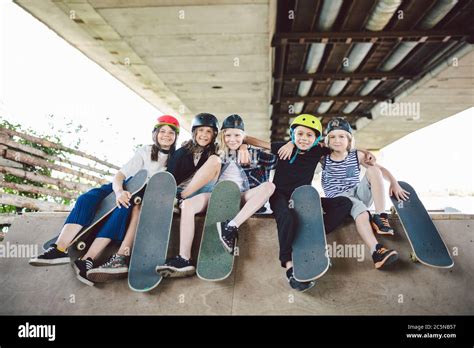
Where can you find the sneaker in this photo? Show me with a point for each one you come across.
(380, 224)
(116, 267)
(383, 256)
(52, 256)
(227, 235)
(176, 267)
(81, 267)
(297, 285)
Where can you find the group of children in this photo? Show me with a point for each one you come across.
(214, 155)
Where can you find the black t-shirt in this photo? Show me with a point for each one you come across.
(301, 172)
(181, 164)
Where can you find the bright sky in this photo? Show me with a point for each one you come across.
(41, 74)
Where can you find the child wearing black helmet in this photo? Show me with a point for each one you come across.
(252, 181)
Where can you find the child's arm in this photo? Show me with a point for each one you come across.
(395, 188)
(258, 143)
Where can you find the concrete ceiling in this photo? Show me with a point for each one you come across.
(191, 56)
(184, 57)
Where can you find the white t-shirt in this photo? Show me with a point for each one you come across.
(233, 173)
(142, 160)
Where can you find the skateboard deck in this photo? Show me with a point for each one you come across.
(310, 259)
(153, 232)
(214, 262)
(425, 240)
(105, 208)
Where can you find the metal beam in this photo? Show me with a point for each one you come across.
(369, 36)
(283, 116)
(367, 99)
(346, 76)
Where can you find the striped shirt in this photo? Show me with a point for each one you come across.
(340, 176)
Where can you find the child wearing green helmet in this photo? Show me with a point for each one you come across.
(292, 173)
(340, 178)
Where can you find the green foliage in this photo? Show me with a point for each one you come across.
(30, 168)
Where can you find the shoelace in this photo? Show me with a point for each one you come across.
(381, 250)
(385, 222)
(111, 261)
(89, 264)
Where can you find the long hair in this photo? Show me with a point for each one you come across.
(156, 147)
(223, 150)
(193, 147)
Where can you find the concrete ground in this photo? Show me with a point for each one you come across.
(257, 285)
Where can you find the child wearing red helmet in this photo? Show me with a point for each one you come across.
(153, 158)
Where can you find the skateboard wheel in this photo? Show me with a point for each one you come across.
(393, 211)
(81, 246)
(137, 200)
(413, 257)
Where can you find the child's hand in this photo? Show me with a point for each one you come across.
(285, 151)
(243, 155)
(123, 198)
(397, 191)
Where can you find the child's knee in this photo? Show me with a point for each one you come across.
(269, 188)
(186, 206)
(373, 170)
(214, 160)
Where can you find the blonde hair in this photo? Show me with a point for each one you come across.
(350, 137)
(222, 148)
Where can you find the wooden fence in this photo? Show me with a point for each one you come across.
(73, 172)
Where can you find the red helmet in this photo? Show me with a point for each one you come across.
(168, 120)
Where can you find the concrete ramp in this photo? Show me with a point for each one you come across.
(258, 284)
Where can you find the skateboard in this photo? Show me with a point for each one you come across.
(310, 258)
(214, 262)
(153, 232)
(134, 186)
(427, 245)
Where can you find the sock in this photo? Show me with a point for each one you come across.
(232, 223)
(373, 249)
(60, 249)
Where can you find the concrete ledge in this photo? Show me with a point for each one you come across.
(257, 285)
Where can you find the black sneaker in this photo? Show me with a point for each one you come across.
(176, 267)
(81, 267)
(227, 235)
(297, 285)
(52, 256)
(380, 224)
(383, 256)
(116, 267)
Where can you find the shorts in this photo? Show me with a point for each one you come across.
(360, 196)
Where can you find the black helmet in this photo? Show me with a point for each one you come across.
(205, 119)
(338, 123)
(233, 121)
